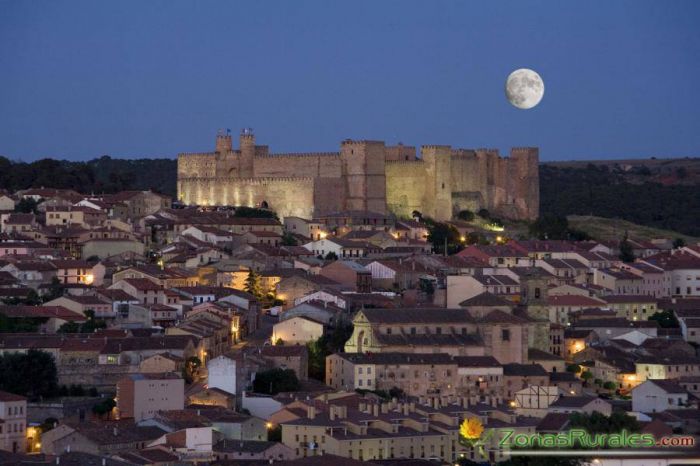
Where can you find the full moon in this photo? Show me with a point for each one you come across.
(524, 88)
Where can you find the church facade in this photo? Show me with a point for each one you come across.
(363, 175)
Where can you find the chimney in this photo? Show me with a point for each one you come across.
(311, 412)
(406, 409)
(58, 460)
(104, 461)
(385, 408)
(331, 413)
(115, 431)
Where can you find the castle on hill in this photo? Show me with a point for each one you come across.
(363, 175)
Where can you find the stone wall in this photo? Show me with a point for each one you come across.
(104, 377)
(405, 187)
(364, 175)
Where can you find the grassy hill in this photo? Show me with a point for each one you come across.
(614, 228)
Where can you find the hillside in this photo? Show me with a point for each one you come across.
(613, 229)
(102, 175)
(660, 194)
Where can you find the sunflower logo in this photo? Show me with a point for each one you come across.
(470, 435)
(471, 429)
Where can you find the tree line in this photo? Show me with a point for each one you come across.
(597, 190)
(101, 175)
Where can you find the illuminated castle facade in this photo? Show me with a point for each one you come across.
(363, 175)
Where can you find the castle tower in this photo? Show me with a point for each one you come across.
(223, 142)
(247, 147)
(525, 181)
(438, 183)
(363, 169)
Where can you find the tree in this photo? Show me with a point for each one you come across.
(32, 374)
(20, 325)
(331, 342)
(252, 212)
(575, 368)
(69, 327)
(484, 213)
(678, 243)
(466, 215)
(417, 215)
(609, 385)
(252, 284)
(88, 326)
(274, 434)
(426, 286)
(665, 319)
(586, 375)
(331, 256)
(598, 423)
(191, 365)
(48, 424)
(27, 205)
(76, 390)
(277, 380)
(104, 407)
(55, 290)
(440, 234)
(288, 239)
(474, 237)
(549, 226)
(626, 251)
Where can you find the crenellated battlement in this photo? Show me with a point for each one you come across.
(359, 141)
(196, 154)
(405, 162)
(299, 154)
(435, 146)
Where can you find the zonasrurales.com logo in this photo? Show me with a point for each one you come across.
(472, 434)
(576, 438)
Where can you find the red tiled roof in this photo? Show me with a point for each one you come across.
(9, 397)
(573, 300)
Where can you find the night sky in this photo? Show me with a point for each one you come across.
(79, 79)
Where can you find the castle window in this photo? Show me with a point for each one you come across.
(443, 185)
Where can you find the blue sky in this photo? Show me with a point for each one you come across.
(79, 79)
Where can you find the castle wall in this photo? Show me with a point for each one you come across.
(286, 196)
(405, 187)
(364, 175)
(400, 153)
(326, 165)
